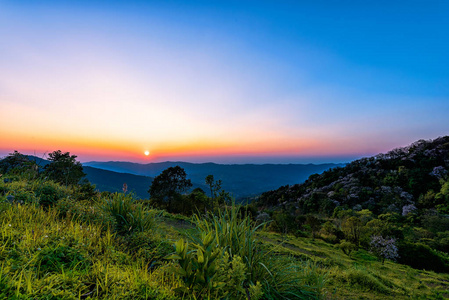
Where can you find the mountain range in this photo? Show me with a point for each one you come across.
(241, 180)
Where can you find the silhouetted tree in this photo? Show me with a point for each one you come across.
(168, 186)
(64, 168)
(14, 161)
(217, 193)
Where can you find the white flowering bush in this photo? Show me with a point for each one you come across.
(407, 209)
(384, 248)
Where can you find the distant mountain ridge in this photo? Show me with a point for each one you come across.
(110, 181)
(241, 180)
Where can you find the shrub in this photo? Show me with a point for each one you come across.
(48, 194)
(420, 256)
(237, 236)
(384, 248)
(148, 246)
(347, 247)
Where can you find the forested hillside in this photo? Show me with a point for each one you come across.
(401, 195)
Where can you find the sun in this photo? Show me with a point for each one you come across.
(146, 152)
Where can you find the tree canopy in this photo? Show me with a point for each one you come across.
(168, 185)
(64, 168)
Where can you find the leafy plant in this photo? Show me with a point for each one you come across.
(347, 247)
(198, 266)
(129, 216)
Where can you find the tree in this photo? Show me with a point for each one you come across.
(352, 229)
(64, 168)
(169, 185)
(16, 163)
(216, 192)
(384, 248)
(211, 183)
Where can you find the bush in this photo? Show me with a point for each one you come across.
(48, 194)
(384, 248)
(148, 246)
(197, 266)
(347, 247)
(420, 256)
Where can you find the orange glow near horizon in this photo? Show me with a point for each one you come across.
(90, 148)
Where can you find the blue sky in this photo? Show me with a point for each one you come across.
(234, 81)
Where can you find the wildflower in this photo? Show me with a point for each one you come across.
(39, 249)
(9, 225)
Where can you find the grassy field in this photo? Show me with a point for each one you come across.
(117, 248)
(360, 276)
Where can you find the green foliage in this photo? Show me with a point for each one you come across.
(129, 216)
(283, 222)
(198, 266)
(46, 257)
(347, 247)
(233, 272)
(18, 165)
(86, 213)
(275, 277)
(64, 168)
(290, 279)
(191, 203)
(149, 246)
(49, 193)
(59, 258)
(421, 256)
(352, 229)
(236, 235)
(366, 281)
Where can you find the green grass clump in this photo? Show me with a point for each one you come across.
(129, 216)
(229, 240)
(364, 280)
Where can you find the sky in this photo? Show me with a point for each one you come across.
(222, 81)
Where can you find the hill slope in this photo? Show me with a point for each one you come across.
(105, 180)
(390, 182)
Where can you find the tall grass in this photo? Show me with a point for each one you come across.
(45, 257)
(277, 277)
(235, 234)
(129, 216)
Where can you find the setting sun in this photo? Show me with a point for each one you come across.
(147, 152)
